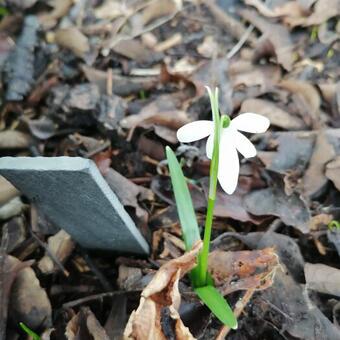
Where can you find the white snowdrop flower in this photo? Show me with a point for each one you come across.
(231, 141)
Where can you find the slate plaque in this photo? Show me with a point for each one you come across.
(72, 193)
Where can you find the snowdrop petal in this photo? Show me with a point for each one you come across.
(250, 122)
(229, 166)
(194, 131)
(244, 146)
(210, 146)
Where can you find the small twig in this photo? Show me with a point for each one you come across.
(86, 299)
(277, 309)
(276, 224)
(109, 82)
(240, 305)
(50, 253)
(241, 42)
(101, 277)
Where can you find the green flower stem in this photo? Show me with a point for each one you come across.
(203, 257)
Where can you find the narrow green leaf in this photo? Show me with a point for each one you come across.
(29, 332)
(218, 305)
(184, 204)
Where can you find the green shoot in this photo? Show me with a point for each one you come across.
(217, 304)
(334, 225)
(29, 332)
(184, 204)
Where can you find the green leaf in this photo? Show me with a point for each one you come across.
(27, 330)
(184, 204)
(218, 305)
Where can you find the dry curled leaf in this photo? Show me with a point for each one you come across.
(247, 74)
(277, 34)
(333, 171)
(322, 278)
(128, 192)
(274, 201)
(134, 49)
(161, 297)
(275, 114)
(85, 326)
(314, 179)
(289, 9)
(231, 206)
(243, 270)
(160, 114)
(302, 318)
(60, 9)
(306, 98)
(322, 11)
(293, 152)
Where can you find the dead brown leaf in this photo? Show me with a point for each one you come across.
(244, 73)
(287, 300)
(85, 326)
(60, 8)
(160, 114)
(162, 295)
(134, 49)
(275, 114)
(322, 278)
(293, 151)
(16, 230)
(208, 47)
(128, 192)
(277, 34)
(61, 246)
(329, 91)
(291, 209)
(289, 8)
(306, 98)
(12, 139)
(322, 11)
(333, 171)
(243, 270)
(302, 319)
(158, 9)
(73, 39)
(129, 278)
(140, 19)
(109, 9)
(232, 206)
(314, 179)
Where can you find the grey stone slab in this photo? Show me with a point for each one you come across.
(74, 196)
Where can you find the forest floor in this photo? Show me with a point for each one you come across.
(113, 81)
